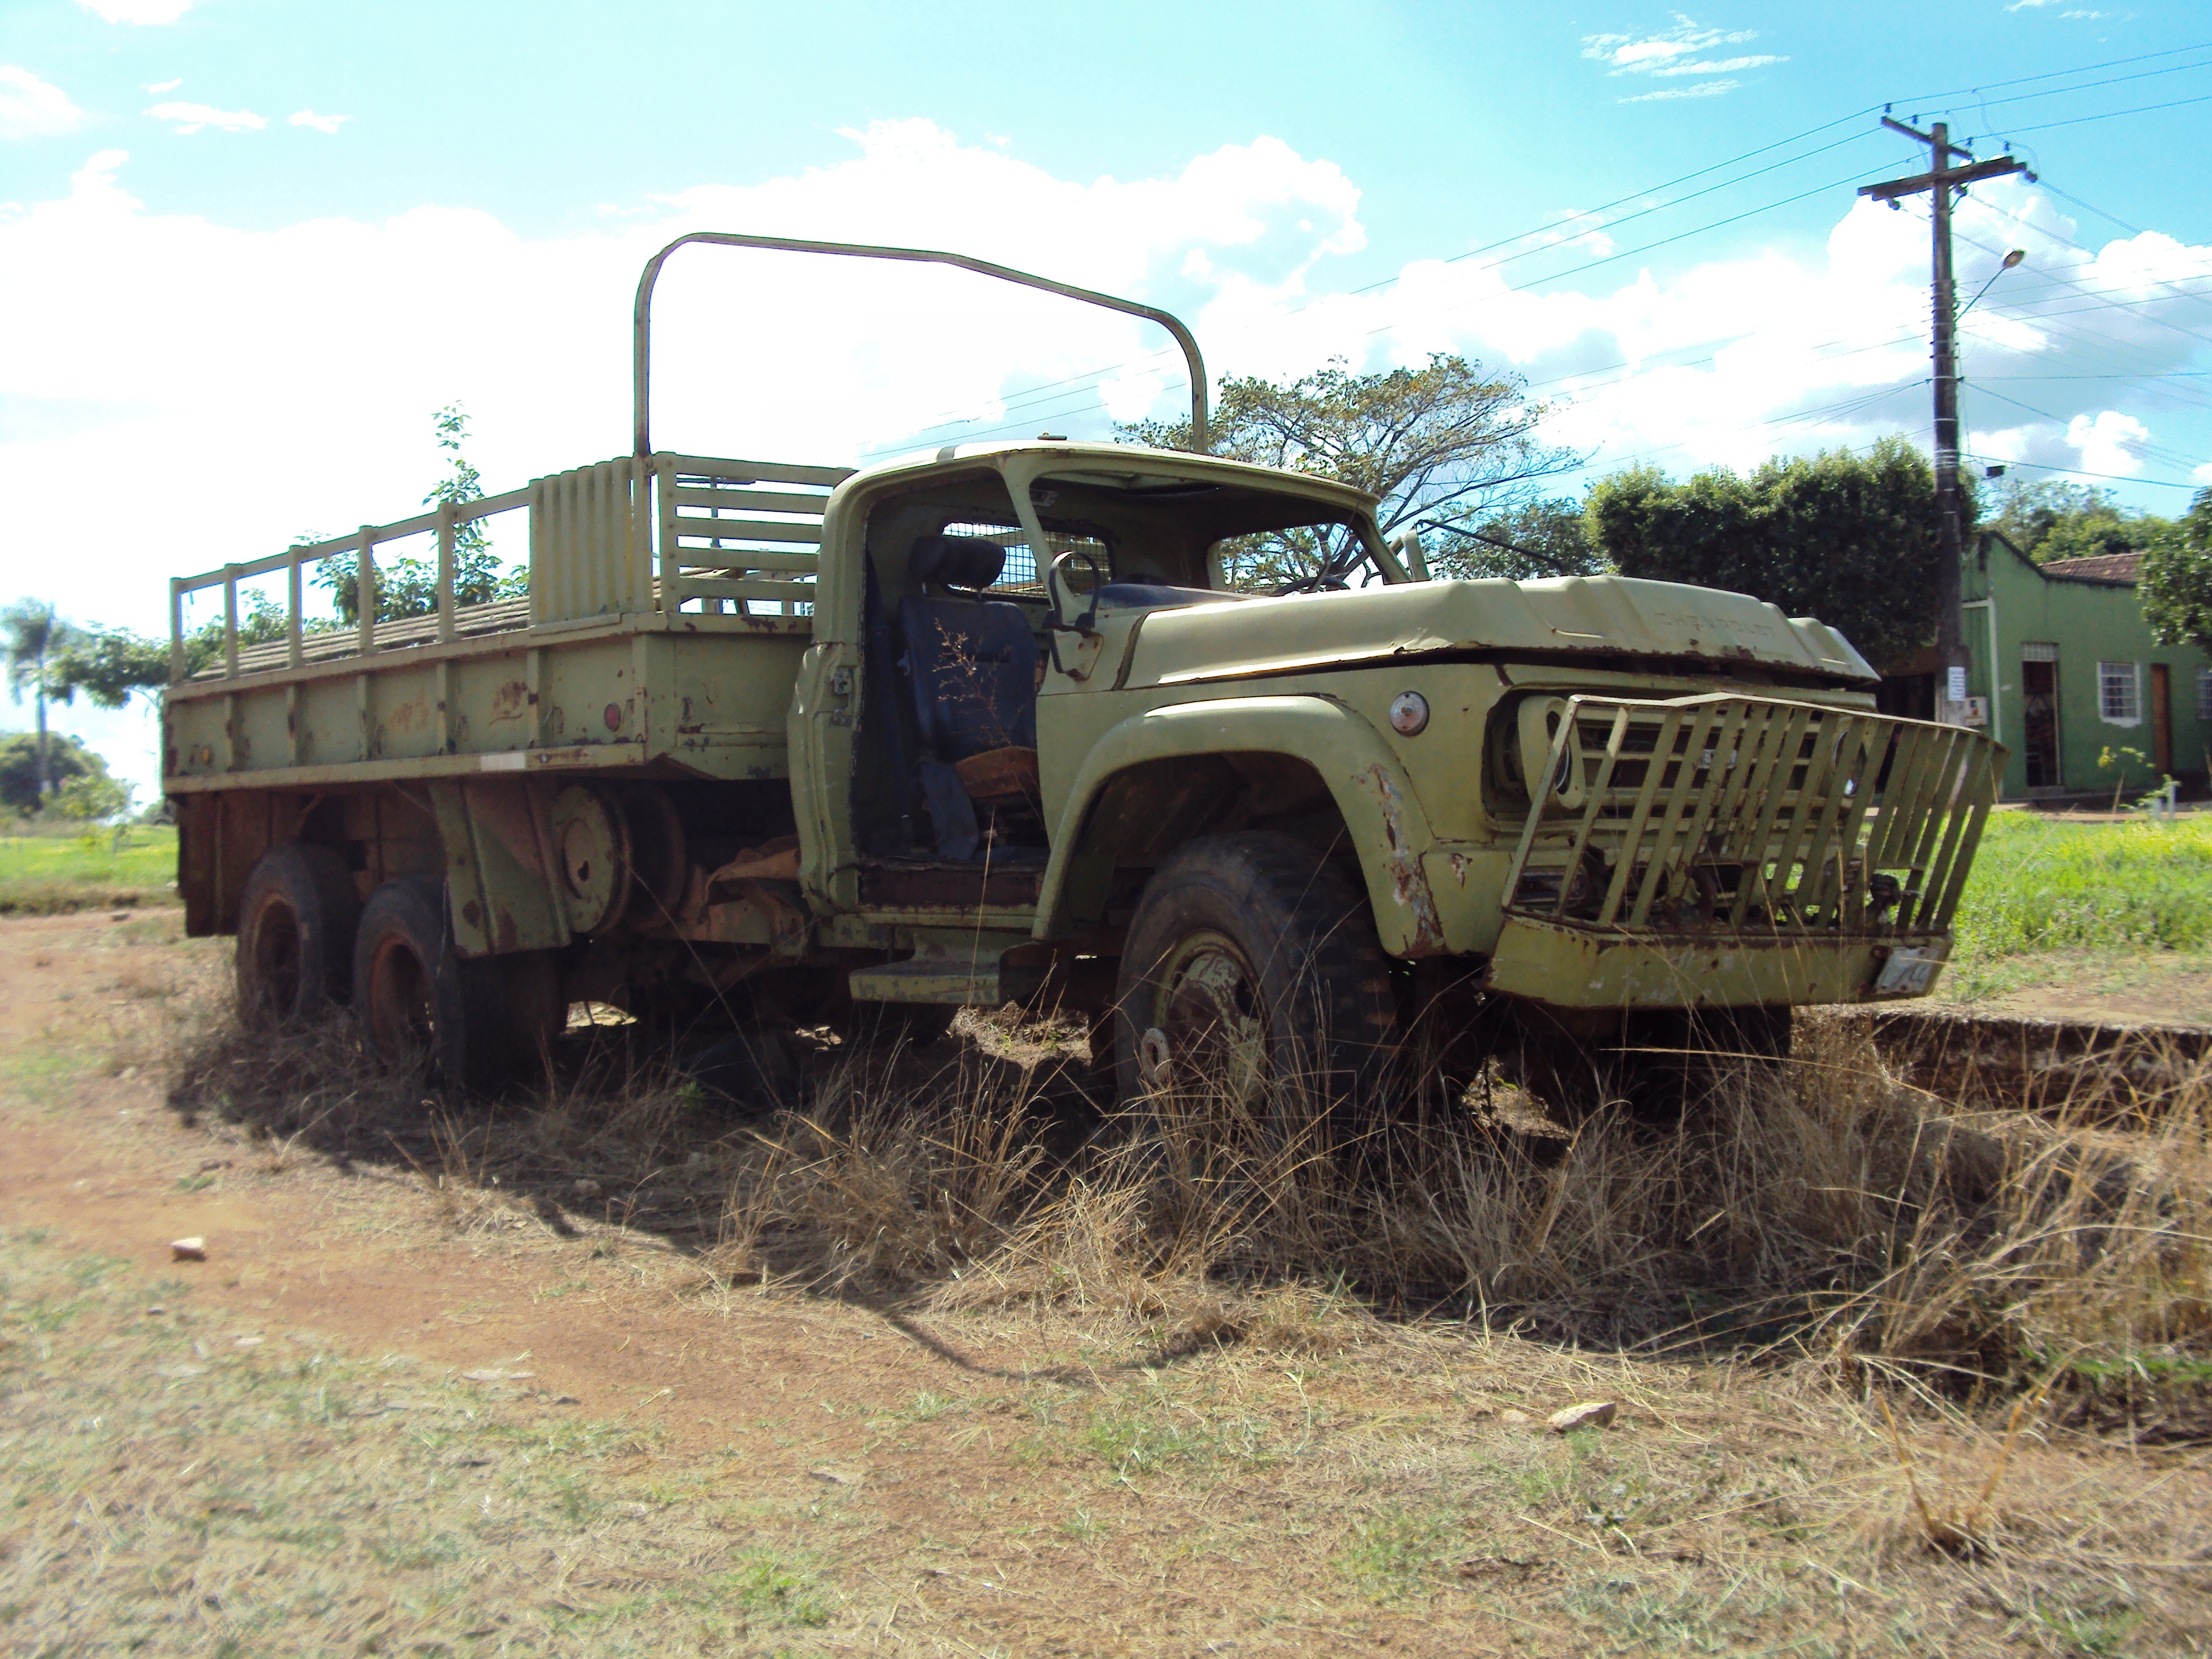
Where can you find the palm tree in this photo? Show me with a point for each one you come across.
(35, 635)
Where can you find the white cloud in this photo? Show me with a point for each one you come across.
(1703, 90)
(319, 348)
(185, 358)
(137, 11)
(307, 118)
(33, 108)
(1676, 52)
(160, 86)
(2108, 442)
(191, 118)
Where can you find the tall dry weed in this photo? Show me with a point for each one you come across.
(1817, 1207)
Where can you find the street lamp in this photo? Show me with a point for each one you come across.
(2010, 260)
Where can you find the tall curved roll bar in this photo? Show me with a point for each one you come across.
(641, 317)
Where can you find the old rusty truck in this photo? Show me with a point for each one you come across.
(994, 724)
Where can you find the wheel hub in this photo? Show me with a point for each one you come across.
(1209, 1017)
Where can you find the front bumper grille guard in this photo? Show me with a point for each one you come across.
(1721, 814)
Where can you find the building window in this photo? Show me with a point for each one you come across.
(2119, 693)
(2204, 694)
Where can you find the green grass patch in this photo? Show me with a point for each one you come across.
(1400, 1553)
(1153, 1436)
(46, 874)
(2041, 884)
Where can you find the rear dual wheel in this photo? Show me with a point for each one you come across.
(468, 1022)
(295, 931)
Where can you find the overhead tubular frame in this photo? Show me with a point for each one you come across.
(641, 324)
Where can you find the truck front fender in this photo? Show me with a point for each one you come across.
(1388, 829)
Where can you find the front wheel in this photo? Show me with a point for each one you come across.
(422, 1007)
(1251, 975)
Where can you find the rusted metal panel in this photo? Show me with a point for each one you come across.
(500, 884)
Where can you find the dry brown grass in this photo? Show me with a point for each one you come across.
(1818, 1210)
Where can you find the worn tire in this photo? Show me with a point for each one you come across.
(422, 1007)
(295, 931)
(1255, 960)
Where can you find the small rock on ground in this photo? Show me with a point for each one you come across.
(1590, 1414)
(188, 1249)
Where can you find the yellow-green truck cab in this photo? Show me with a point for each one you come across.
(789, 743)
(1716, 767)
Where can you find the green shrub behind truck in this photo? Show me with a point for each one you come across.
(991, 724)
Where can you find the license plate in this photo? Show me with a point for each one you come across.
(1909, 972)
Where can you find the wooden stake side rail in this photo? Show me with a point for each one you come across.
(725, 547)
(1725, 813)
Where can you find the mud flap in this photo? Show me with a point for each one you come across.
(499, 870)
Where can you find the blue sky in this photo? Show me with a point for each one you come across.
(246, 247)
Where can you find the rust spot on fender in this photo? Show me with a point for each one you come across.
(510, 938)
(1407, 880)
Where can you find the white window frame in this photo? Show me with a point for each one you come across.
(2125, 677)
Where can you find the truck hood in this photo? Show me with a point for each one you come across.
(1616, 617)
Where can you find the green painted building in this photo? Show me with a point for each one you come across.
(2066, 669)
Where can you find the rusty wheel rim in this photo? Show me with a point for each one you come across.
(397, 1005)
(1208, 1007)
(276, 950)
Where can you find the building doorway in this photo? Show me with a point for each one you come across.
(2162, 719)
(2038, 687)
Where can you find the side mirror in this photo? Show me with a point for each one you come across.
(1062, 596)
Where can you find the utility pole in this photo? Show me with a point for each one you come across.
(1939, 181)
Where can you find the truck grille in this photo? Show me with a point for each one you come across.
(1721, 814)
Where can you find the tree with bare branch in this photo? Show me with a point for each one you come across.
(1446, 442)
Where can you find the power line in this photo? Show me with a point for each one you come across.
(2080, 473)
(1027, 398)
(2112, 114)
(1986, 104)
(2056, 236)
(1928, 100)
(1051, 399)
(2157, 451)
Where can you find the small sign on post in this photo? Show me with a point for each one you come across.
(1957, 688)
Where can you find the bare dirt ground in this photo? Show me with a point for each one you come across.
(2137, 988)
(399, 1410)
